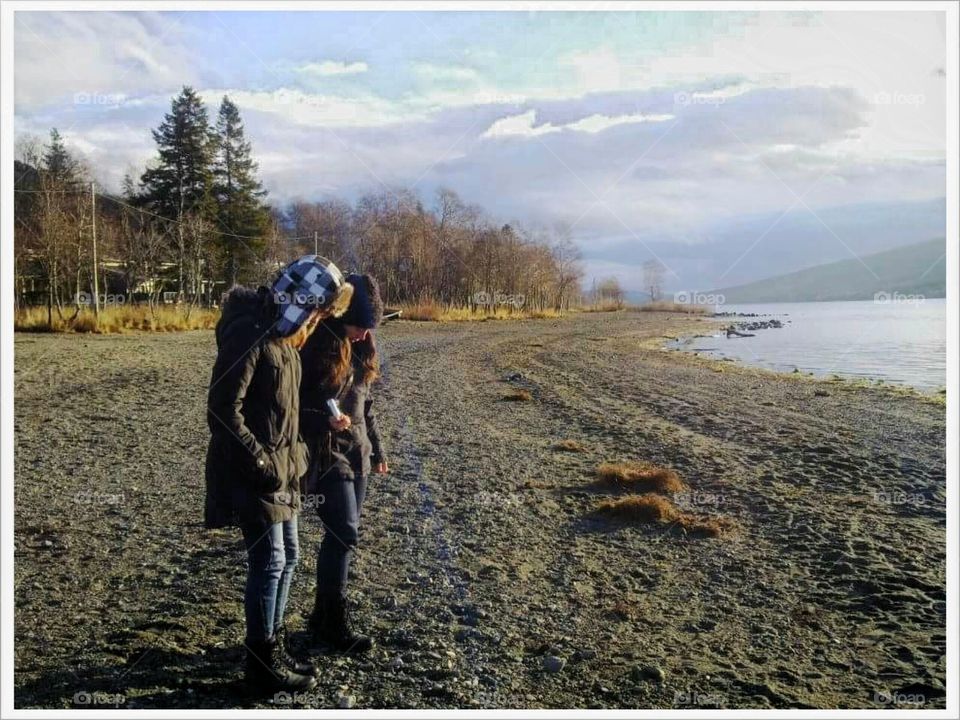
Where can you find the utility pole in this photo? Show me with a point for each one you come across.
(315, 245)
(96, 269)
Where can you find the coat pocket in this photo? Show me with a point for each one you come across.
(269, 475)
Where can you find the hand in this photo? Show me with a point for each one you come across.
(381, 468)
(340, 424)
(267, 472)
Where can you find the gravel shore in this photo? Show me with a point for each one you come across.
(485, 574)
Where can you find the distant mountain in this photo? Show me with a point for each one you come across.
(919, 269)
(746, 249)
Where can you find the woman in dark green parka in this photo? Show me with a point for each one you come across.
(256, 456)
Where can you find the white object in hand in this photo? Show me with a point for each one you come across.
(334, 409)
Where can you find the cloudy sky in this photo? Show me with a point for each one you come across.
(647, 132)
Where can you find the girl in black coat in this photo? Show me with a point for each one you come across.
(340, 363)
(256, 456)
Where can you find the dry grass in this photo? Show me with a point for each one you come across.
(118, 319)
(569, 446)
(431, 311)
(648, 508)
(518, 396)
(544, 314)
(665, 306)
(655, 509)
(603, 307)
(640, 475)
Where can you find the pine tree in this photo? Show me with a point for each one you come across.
(59, 165)
(180, 185)
(243, 218)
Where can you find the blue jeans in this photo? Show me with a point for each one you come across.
(272, 555)
(340, 515)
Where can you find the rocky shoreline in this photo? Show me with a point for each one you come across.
(485, 572)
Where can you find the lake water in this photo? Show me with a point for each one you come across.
(902, 341)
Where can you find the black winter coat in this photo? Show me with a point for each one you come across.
(347, 453)
(256, 457)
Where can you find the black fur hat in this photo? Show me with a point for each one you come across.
(366, 306)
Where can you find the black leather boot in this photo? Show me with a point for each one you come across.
(267, 673)
(299, 666)
(330, 624)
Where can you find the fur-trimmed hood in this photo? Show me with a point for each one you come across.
(245, 307)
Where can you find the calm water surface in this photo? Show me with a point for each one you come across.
(902, 342)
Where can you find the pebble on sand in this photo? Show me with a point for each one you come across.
(649, 672)
(553, 664)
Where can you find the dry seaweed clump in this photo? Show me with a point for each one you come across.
(654, 509)
(518, 396)
(640, 475)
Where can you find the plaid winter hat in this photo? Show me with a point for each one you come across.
(307, 284)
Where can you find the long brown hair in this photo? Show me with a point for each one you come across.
(330, 353)
(368, 358)
(299, 338)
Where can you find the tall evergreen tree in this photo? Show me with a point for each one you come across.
(243, 218)
(59, 164)
(180, 184)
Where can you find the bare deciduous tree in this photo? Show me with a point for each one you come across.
(653, 272)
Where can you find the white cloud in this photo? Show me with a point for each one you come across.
(524, 124)
(61, 54)
(599, 123)
(330, 68)
(314, 109)
(875, 53)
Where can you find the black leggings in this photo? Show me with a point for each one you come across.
(340, 514)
